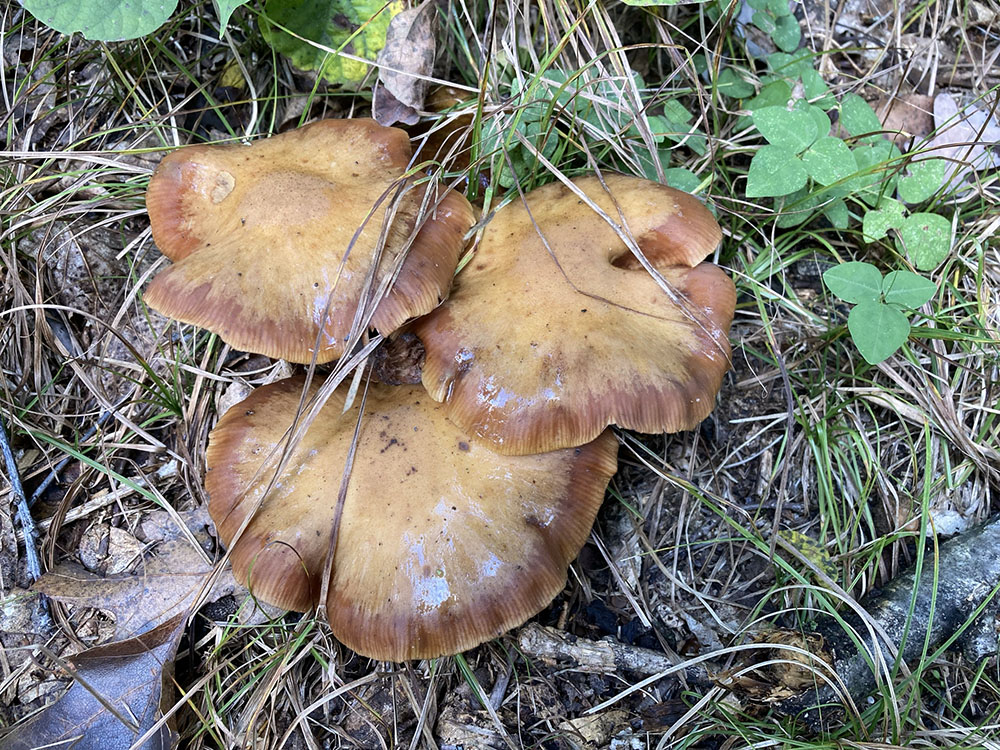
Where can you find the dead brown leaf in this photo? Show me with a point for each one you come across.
(906, 118)
(118, 694)
(405, 63)
(166, 584)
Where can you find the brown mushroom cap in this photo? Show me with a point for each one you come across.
(543, 344)
(258, 234)
(442, 545)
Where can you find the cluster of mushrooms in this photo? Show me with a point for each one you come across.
(467, 496)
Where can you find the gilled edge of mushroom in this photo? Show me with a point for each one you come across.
(422, 283)
(429, 267)
(593, 466)
(252, 564)
(670, 406)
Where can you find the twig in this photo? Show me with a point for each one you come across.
(23, 514)
(599, 657)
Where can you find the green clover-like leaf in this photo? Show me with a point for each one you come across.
(793, 129)
(927, 239)
(854, 282)
(924, 179)
(878, 222)
(878, 330)
(357, 27)
(857, 117)
(907, 289)
(787, 34)
(829, 160)
(730, 84)
(837, 214)
(775, 171)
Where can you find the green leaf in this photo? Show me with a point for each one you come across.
(730, 84)
(764, 22)
(878, 330)
(676, 112)
(356, 27)
(790, 66)
(774, 171)
(796, 208)
(837, 214)
(816, 89)
(927, 239)
(778, 8)
(829, 160)
(224, 9)
(787, 33)
(907, 289)
(925, 178)
(878, 222)
(102, 20)
(820, 118)
(682, 179)
(857, 117)
(793, 129)
(854, 282)
(773, 94)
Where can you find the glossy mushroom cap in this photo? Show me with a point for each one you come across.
(442, 544)
(264, 235)
(554, 330)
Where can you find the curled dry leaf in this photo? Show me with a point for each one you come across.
(118, 694)
(405, 63)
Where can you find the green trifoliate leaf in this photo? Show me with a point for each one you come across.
(878, 330)
(924, 179)
(774, 171)
(730, 84)
(854, 282)
(102, 20)
(796, 208)
(837, 214)
(926, 238)
(764, 21)
(906, 289)
(772, 94)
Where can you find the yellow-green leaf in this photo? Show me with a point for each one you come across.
(318, 34)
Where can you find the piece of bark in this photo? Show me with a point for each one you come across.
(967, 571)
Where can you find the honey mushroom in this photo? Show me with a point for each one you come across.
(554, 330)
(442, 545)
(272, 243)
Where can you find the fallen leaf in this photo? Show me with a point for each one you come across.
(164, 585)
(404, 65)
(966, 137)
(905, 118)
(118, 694)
